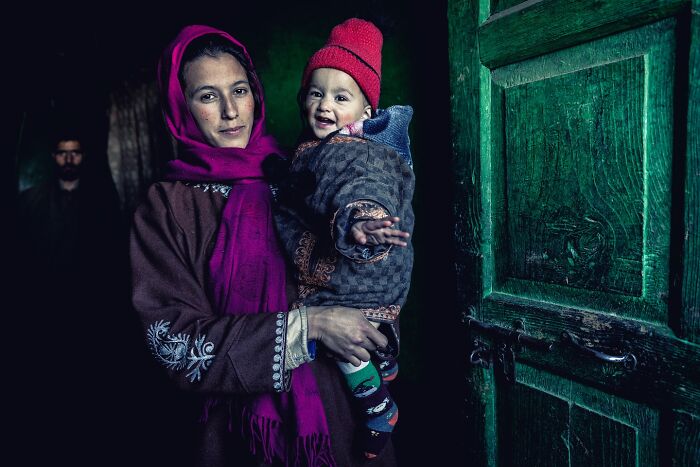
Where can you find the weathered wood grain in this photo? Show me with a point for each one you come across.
(576, 200)
(579, 170)
(538, 27)
(686, 440)
(600, 441)
(465, 81)
(666, 373)
(533, 427)
(631, 429)
(570, 125)
(690, 302)
(500, 5)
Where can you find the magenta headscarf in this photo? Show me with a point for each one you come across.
(247, 267)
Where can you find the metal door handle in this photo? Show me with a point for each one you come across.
(629, 360)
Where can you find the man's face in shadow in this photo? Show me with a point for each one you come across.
(68, 156)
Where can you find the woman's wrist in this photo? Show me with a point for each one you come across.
(313, 318)
(298, 351)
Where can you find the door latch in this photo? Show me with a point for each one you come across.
(507, 342)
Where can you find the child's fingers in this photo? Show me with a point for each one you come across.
(395, 241)
(359, 236)
(371, 226)
(389, 233)
(398, 233)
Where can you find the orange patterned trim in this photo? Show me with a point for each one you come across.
(346, 139)
(309, 281)
(383, 313)
(376, 212)
(304, 146)
(381, 256)
(336, 139)
(368, 209)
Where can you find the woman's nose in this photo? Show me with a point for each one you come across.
(229, 108)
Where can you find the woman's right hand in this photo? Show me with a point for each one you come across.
(345, 332)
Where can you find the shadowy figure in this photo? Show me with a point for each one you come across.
(73, 291)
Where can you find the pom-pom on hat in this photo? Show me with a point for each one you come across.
(355, 47)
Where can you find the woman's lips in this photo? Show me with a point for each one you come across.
(232, 132)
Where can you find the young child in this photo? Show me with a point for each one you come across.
(348, 187)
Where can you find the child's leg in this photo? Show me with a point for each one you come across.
(374, 402)
(388, 368)
(385, 359)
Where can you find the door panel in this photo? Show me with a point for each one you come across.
(574, 235)
(689, 304)
(686, 440)
(536, 27)
(599, 430)
(536, 419)
(583, 155)
(597, 440)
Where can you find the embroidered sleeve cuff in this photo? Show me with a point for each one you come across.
(280, 373)
(345, 218)
(299, 349)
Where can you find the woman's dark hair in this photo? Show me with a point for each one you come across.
(213, 45)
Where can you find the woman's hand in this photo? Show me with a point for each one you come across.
(378, 232)
(345, 332)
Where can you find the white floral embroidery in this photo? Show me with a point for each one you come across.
(171, 350)
(215, 187)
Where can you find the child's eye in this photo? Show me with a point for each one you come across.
(313, 93)
(341, 98)
(207, 97)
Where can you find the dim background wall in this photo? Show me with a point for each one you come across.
(72, 61)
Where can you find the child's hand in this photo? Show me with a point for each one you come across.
(378, 232)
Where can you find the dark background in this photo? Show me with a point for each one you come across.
(66, 62)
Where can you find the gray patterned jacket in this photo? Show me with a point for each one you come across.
(356, 179)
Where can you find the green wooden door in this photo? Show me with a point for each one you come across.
(576, 145)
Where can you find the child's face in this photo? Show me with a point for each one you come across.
(334, 100)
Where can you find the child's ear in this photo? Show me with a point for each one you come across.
(366, 112)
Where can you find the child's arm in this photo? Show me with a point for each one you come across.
(378, 232)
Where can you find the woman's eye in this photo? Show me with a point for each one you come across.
(240, 91)
(208, 97)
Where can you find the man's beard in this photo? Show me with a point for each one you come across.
(69, 172)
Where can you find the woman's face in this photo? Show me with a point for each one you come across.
(221, 101)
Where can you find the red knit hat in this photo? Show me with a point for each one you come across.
(355, 47)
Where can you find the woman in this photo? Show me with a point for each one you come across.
(209, 279)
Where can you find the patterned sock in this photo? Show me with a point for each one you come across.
(389, 369)
(373, 400)
(379, 431)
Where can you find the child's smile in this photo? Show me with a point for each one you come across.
(334, 100)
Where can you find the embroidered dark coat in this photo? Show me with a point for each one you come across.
(172, 239)
(355, 179)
